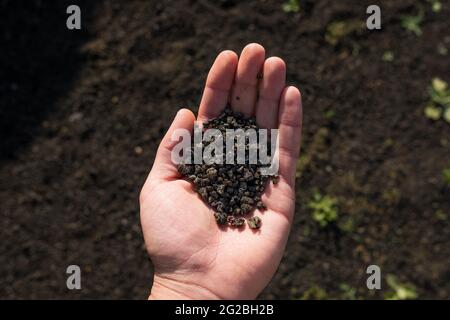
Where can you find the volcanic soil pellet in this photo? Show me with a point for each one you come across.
(233, 191)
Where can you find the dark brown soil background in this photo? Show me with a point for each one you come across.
(78, 107)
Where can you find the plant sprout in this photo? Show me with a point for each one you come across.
(412, 23)
(388, 56)
(432, 112)
(291, 6)
(439, 104)
(436, 5)
(314, 293)
(399, 291)
(446, 175)
(348, 292)
(324, 209)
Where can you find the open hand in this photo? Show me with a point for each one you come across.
(193, 257)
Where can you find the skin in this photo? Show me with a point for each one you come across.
(193, 257)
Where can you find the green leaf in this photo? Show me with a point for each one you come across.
(388, 56)
(291, 6)
(400, 291)
(439, 93)
(436, 6)
(439, 85)
(324, 209)
(447, 115)
(412, 23)
(432, 112)
(446, 175)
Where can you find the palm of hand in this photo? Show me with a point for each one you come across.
(194, 257)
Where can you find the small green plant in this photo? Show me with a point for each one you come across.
(440, 215)
(439, 104)
(439, 92)
(291, 6)
(432, 112)
(412, 23)
(314, 293)
(324, 209)
(329, 114)
(399, 291)
(446, 175)
(348, 292)
(388, 56)
(436, 5)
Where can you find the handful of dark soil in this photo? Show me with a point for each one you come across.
(232, 190)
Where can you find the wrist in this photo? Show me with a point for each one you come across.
(168, 289)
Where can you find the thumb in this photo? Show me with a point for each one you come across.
(163, 167)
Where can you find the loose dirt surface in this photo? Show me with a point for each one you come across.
(82, 113)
